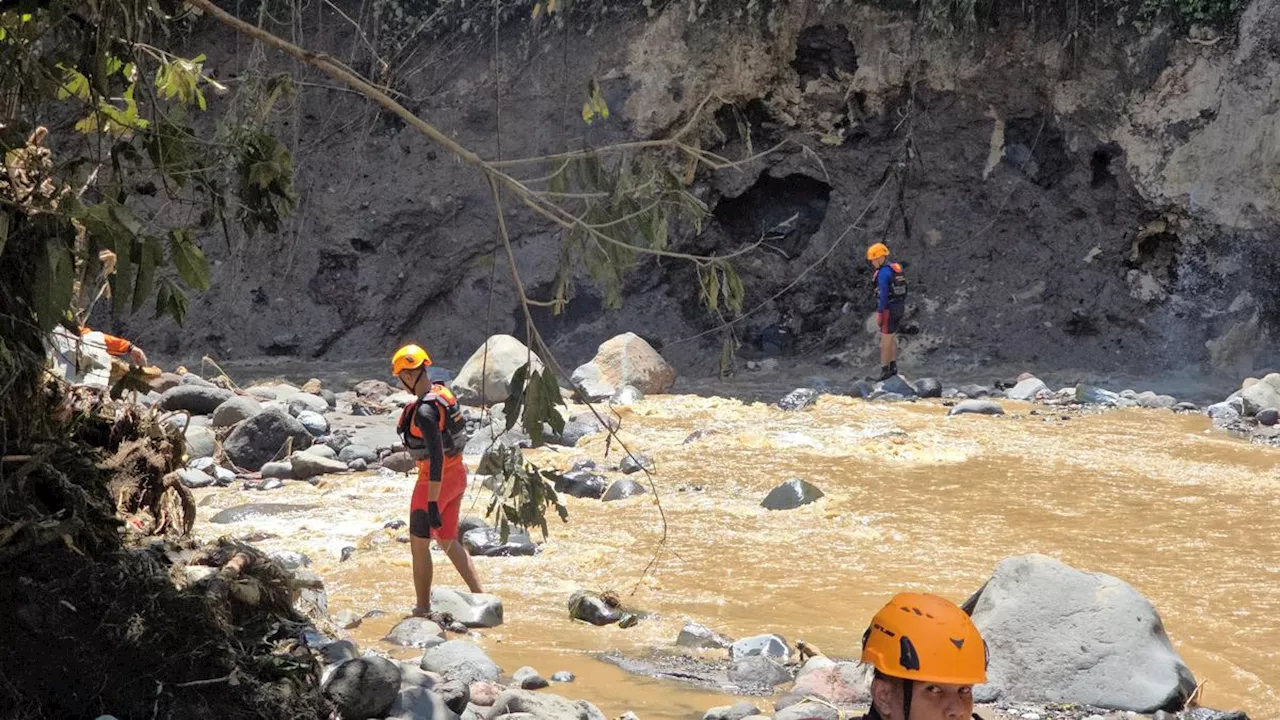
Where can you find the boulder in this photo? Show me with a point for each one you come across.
(700, 637)
(1258, 396)
(357, 465)
(740, 711)
(240, 513)
(263, 484)
(357, 452)
(799, 399)
(200, 442)
(195, 478)
(348, 619)
(338, 651)
(282, 470)
(314, 422)
(195, 399)
(164, 381)
(976, 407)
(262, 392)
(575, 430)
(527, 705)
(307, 465)
(505, 355)
(807, 710)
(462, 661)
(260, 439)
(373, 390)
(1149, 399)
(475, 610)
(298, 402)
(400, 462)
(589, 608)
(896, 385)
(626, 359)
(1026, 390)
(757, 672)
(1223, 413)
(364, 687)
(976, 391)
(419, 702)
(928, 388)
(234, 410)
(1090, 395)
(626, 395)
(484, 694)
(455, 694)
(581, 484)
(415, 632)
(791, 495)
(487, 542)
(529, 679)
(634, 463)
(861, 389)
(322, 450)
(770, 646)
(622, 489)
(1268, 417)
(844, 683)
(1059, 635)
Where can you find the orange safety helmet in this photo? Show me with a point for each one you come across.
(879, 250)
(408, 358)
(925, 638)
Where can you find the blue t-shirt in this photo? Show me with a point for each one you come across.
(884, 283)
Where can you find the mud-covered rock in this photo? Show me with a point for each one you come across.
(487, 542)
(590, 608)
(261, 438)
(195, 399)
(462, 661)
(364, 687)
(581, 484)
(635, 462)
(791, 494)
(541, 706)
(1061, 635)
(738, 711)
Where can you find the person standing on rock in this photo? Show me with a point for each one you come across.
(891, 305)
(435, 434)
(927, 655)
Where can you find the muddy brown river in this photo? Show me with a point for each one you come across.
(914, 501)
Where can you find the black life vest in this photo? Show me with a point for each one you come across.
(453, 427)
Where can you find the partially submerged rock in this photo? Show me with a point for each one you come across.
(475, 610)
(790, 495)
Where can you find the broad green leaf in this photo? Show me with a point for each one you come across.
(148, 250)
(127, 253)
(53, 285)
(74, 84)
(519, 384)
(189, 259)
(133, 381)
(4, 230)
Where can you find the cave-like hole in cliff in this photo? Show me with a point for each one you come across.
(822, 50)
(1037, 148)
(751, 120)
(785, 211)
(1157, 254)
(586, 306)
(1100, 165)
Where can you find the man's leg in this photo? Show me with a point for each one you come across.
(888, 349)
(462, 561)
(422, 572)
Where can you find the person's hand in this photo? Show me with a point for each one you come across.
(138, 357)
(434, 521)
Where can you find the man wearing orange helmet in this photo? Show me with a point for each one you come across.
(435, 434)
(927, 655)
(891, 305)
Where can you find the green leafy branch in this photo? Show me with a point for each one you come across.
(524, 493)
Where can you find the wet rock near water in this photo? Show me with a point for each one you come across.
(808, 710)
(739, 711)
(843, 683)
(416, 632)
(307, 465)
(679, 666)
(622, 489)
(357, 465)
(527, 705)
(799, 399)
(1061, 635)
(791, 494)
(1151, 400)
(462, 661)
(313, 599)
(581, 484)
(346, 553)
(260, 439)
(895, 385)
(314, 422)
(195, 399)
(564, 676)
(338, 651)
(626, 395)
(474, 610)
(282, 470)
(490, 370)
(195, 479)
(635, 462)
(1224, 413)
(697, 435)
(1259, 395)
(701, 637)
(364, 687)
(1027, 390)
(770, 646)
(357, 452)
(301, 402)
(235, 410)
(1090, 395)
(399, 462)
(625, 359)
(976, 407)
(1268, 417)
(758, 673)
(348, 619)
(322, 450)
(487, 542)
(528, 678)
(263, 484)
(248, 511)
(928, 388)
(200, 442)
(591, 608)
(977, 391)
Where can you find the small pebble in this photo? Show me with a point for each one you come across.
(564, 676)
(394, 525)
(348, 552)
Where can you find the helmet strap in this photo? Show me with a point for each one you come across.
(908, 689)
(420, 370)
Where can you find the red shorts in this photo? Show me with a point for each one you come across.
(889, 320)
(453, 483)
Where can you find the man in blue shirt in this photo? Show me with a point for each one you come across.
(891, 304)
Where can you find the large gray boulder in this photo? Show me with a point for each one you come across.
(505, 355)
(235, 409)
(475, 610)
(542, 706)
(623, 360)
(363, 688)
(1060, 635)
(260, 439)
(200, 442)
(770, 646)
(1261, 395)
(462, 661)
(416, 632)
(790, 495)
(758, 673)
(1027, 390)
(307, 465)
(302, 401)
(696, 636)
(195, 399)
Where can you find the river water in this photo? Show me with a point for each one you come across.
(914, 501)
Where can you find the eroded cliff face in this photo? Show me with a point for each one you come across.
(1110, 204)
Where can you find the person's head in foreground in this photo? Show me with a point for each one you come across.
(927, 656)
